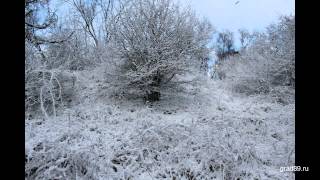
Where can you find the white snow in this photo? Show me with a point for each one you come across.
(207, 132)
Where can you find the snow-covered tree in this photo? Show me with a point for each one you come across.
(267, 62)
(157, 40)
(282, 49)
(88, 13)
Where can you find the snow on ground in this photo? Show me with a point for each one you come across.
(207, 133)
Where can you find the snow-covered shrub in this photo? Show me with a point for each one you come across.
(53, 161)
(68, 86)
(252, 86)
(268, 62)
(73, 53)
(283, 95)
(155, 41)
(45, 89)
(278, 49)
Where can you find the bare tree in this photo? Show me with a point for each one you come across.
(108, 10)
(245, 38)
(88, 13)
(156, 40)
(224, 44)
(32, 25)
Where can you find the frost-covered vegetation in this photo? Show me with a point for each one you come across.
(118, 90)
(265, 65)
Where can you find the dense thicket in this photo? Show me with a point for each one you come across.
(266, 61)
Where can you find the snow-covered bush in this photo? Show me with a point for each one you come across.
(53, 161)
(282, 40)
(156, 40)
(45, 88)
(269, 61)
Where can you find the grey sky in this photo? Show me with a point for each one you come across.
(226, 14)
(249, 14)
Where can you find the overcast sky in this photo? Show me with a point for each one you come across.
(249, 14)
(226, 14)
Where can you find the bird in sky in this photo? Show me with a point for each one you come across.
(237, 2)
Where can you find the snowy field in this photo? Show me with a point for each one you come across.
(207, 132)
